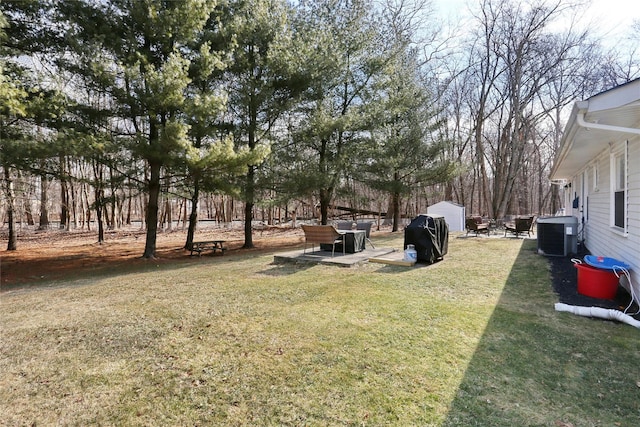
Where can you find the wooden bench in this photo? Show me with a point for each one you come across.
(322, 234)
(208, 245)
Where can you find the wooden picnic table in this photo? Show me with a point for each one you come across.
(208, 245)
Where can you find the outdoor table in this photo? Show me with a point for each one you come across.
(354, 241)
(209, 245)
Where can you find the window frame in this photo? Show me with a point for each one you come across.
(619, 181)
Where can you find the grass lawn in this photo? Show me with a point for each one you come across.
(236, 340)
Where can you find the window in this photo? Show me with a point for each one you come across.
(619, 187)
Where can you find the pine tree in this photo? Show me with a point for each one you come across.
(262, 84)
(139, 53)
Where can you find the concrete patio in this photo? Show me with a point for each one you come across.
(324, 257)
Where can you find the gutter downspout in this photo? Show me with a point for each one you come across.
(582, 110)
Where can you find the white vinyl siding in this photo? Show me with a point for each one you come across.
(633, 193)
(600, 237)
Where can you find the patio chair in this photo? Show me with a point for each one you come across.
(519, 226)
(476, 225)
(344, 225)
(322, 234)
(366, 226)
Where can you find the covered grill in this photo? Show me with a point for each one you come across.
(429, 234)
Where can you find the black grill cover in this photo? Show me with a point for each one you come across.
(430, 236)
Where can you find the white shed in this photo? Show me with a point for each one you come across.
(453, 213)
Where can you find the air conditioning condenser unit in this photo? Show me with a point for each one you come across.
(557, 235)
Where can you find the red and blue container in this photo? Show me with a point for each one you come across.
(597, 278)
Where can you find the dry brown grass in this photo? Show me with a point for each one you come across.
(236, 340)
(53, 254)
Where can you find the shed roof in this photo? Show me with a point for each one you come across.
(449, 203)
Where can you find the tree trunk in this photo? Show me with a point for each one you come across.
(127, 220)
(64, 198)
(12, 238)
(99, 198)
(44, 201)
(248, 207)
(184, 215)
(180, 216)
(99, 210)
(145, 209)
(73, 203)
(325, 200)
(193, 216)
(169, 217)
(152, 210)
(86, 207)
(27, 209)
(395, 201)
(113, 201)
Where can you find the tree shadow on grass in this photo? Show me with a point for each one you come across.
(534, 366)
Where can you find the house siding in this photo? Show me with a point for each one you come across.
(598, 234)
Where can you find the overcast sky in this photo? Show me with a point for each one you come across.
(613, 18)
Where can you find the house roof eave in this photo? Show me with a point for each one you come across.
(593, 124)
(566, 143)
